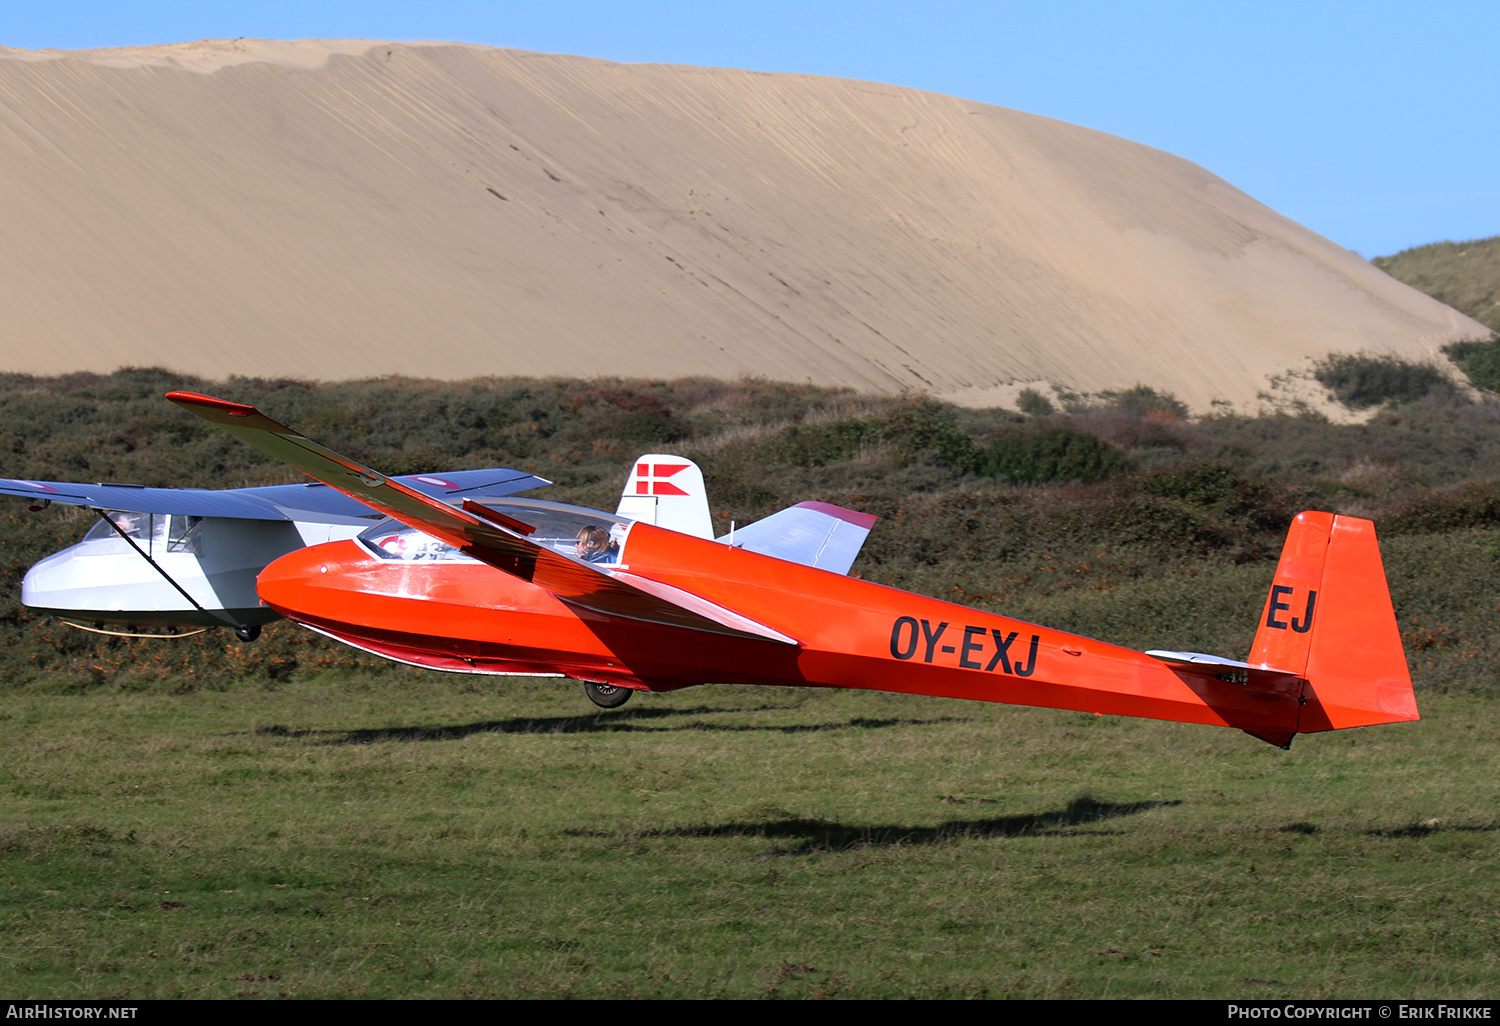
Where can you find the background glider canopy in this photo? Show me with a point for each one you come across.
(313, 502)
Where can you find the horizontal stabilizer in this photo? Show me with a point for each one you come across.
(814, 534)
(1267, 679)
(1198, 658)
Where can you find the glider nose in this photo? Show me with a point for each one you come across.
(280, 584)
(298, 583)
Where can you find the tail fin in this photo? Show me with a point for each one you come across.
(1328, 620)
(667, 491)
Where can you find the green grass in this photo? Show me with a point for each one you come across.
(452, 837)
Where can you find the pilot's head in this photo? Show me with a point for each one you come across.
(593, 542)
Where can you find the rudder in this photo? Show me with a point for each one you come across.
(667, 491)
(1328, 618)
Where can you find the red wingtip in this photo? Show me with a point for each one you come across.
(222, 411)
(862, 520)
(208, 402)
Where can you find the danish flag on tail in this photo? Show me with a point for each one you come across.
(654, 478)
(667, 491)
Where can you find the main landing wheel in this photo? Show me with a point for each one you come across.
(606, 696)
(247, 633)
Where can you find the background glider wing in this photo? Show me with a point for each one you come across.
(491, 537)
(307, 503)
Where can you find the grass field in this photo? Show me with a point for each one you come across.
(433, 836)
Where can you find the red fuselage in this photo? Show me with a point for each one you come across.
(470, 617)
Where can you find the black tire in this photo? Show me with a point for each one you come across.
(247, 633)
(606, 696)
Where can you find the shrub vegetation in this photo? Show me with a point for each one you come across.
(1076, 519)
(1033, 403)
(1033, 456)
(1479, 360)
(1363, 381)
(1466, 276)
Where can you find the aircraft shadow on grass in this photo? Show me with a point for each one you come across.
(591, 723)
(1420, 830)
(820, 835)
(1411, 831)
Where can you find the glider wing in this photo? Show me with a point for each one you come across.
(307, 503)
(485, 534)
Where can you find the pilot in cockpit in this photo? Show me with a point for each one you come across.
(127, 523)
(594, 546)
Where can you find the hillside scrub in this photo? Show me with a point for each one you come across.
(1123, 519)
(1033, 456)
(1479, 360)
(1465, 275)
(1362, 381)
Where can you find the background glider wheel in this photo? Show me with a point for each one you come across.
(606, 696)
(247, 633)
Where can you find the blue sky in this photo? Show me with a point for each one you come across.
(1374, 123)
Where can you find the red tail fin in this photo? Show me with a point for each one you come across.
(1329, 620)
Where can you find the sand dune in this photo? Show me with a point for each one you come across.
(349, 209)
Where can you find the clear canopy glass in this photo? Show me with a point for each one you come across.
(586, 535)
(153, 534)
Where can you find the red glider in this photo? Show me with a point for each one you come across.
(515, 587)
